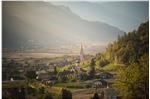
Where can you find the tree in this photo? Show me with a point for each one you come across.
(55, 70)
(132, 81)
(129, 47)
(101, 63)
(84, 76)
(31, 74)
(48, 96)
(95, 96)
(42, 90)
(65, 94)
(102, 95)
(92, 68)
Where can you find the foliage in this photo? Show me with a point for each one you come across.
(32, 91)
(61, 69)
(65, 94)
(62, 77)
(84, 76)
(130, 47)
(42, 90)
(132, 81)
(130, 52)
(55, 70)
(101, 61)
(31, 74)
(112, 67)
(95, 96)
(48, 96)
(85, 64)
(102, 95)
(67, 78)
(92, 68)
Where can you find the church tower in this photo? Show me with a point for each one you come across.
(81, 53)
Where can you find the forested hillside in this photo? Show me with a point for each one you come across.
(130, 47)
(130, 50)
(128, 57)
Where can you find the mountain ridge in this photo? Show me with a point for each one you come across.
(48, 25)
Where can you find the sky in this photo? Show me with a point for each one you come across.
(126, 15)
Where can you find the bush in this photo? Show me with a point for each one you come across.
(32, 91)
(31, 74)
(48, 96)
(84, 76)
(95, 96)
(65, 94)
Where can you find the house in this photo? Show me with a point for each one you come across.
(51, 69)
(43, 76)
(40, 72)
(47, 78)
(100, 84)
(104, 75)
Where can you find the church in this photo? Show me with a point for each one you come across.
(81, 53)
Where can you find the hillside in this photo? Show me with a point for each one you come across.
(128, 58)
(130, 47)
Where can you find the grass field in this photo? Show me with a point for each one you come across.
(72, 85)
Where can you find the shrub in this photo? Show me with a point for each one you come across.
(95, 96)
(65, 94)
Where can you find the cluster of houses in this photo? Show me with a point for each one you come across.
(45, 72)
(16, 68)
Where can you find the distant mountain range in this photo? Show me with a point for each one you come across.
(39, 25)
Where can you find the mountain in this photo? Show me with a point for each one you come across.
(38, 25)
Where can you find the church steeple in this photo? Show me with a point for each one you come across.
(81, 53)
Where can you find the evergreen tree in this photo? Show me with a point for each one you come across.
(65, 94)
(95, 96)
(48, 96)
(92, 68)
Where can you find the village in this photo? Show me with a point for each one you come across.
(62, 72)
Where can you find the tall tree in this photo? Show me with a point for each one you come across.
(92, 68)
(132, 82)
(65, 94)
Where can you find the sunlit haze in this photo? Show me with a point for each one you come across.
(46, 26)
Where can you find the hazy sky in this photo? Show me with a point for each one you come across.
(125, 15)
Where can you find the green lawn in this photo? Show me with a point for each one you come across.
(72, 85)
